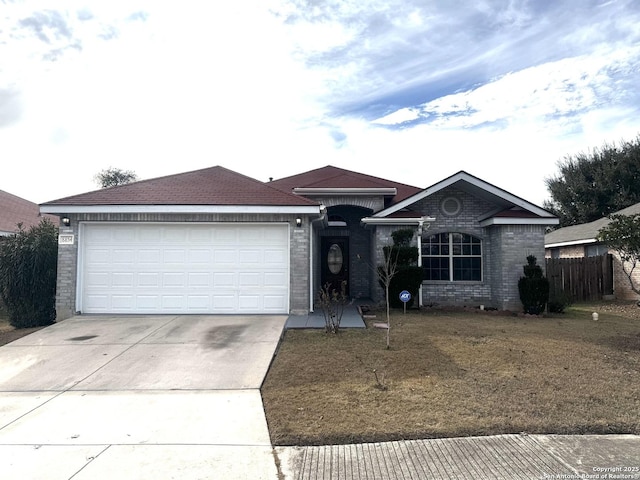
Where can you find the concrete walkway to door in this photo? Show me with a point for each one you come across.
(98, 397)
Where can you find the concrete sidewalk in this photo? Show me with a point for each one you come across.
(508, 457)
(351, 318)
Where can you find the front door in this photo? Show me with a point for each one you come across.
(335, 262)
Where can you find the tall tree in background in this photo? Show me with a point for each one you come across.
(112, 177)
(595, 184)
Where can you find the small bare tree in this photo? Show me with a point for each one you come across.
(622, 235)
(386, 272)
(332, 303)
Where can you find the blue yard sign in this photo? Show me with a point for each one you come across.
(405, 296)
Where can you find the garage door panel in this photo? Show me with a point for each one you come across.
(150, 303)
(274, 303)
(200, 256)
(246, 256)
(98, 303)
(173, 279)
(173, 302)
(275, 256)
(199, 279)
(174, 256)
(120, 279)
(248, 302)
(122, 302)
(123, 235)
(97, 255)
(236, 268)
(224, 302)
(200, 303)
(152, 256)
(250, 279)
(174, 234)
(225, 256)
(97, 280)
(275, 279)
(224, 279)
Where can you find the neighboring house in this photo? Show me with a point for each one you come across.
(577, 241)
(15, 210)
(215, 241)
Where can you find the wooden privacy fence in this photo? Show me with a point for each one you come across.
(580, 279)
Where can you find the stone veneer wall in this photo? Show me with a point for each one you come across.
(66, 289)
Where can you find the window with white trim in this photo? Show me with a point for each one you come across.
(452, 257)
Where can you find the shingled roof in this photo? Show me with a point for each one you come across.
(15, 210)
(333, 177)
(209, 186)
(584, 232)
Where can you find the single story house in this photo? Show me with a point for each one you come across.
(578, 241)
(16, 211)
(215, 241)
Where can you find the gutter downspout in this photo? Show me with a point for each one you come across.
(420, 225)
(323, 216)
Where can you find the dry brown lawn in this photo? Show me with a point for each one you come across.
(9, 334)
(456, 374)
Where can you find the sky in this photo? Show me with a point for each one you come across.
(408, 90)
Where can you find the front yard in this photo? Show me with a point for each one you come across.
(456, 374)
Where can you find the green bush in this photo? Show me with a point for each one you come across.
(559, 302)
(533, 288)
(408, 276)
(28, 261)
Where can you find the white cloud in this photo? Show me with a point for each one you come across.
(502, 89)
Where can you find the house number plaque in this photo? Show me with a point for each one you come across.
(66, 239)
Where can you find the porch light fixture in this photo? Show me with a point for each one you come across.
(66, 221)
(298, 222)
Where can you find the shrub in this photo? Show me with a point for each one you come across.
(332, 303)
(559, 302)
(408, 276)
(28, 261)
(533, 288)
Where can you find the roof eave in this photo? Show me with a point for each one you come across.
(252, 209)
(519, 221)
(396, 221)
(570, 243)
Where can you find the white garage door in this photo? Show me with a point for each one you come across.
(184, 268)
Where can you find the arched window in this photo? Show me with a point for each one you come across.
(452, 257)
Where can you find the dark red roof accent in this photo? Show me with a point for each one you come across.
(209, 186)
(15, 210)
(404, 214)
(516, 213)
(334, 177)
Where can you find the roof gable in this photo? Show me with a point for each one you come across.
(15, 210)
(331, 177)
(209, 186)
(508, 206)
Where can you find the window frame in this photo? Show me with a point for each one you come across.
(447, 250)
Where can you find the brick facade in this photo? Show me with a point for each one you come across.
(504, 252)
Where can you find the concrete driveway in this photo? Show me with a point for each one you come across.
(98, 397)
